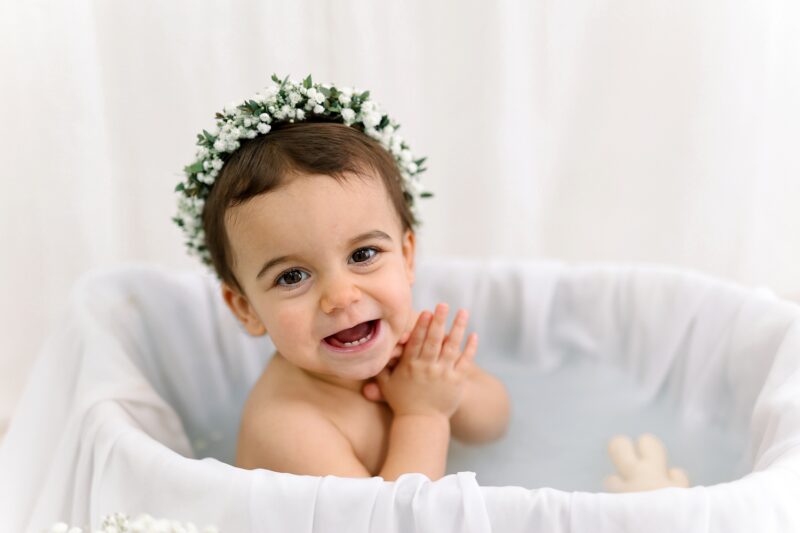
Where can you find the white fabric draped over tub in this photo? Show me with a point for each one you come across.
(134, 401)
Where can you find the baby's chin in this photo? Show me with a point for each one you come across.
(366, 370)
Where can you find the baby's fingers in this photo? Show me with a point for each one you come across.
(452, 344)
(469, 352)
(417, 338)
(432, 346)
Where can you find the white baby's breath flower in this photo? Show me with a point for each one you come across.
(232, 108)
(263, 128)
(294, 98)
(368, 106)
(397, 145)
(318, 109)
(300, 114)
(344, 99)
(348, 115)
(316, 96)
(263, 117)
(371, 119)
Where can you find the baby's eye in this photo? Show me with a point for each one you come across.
(292, 277)
(364, 255)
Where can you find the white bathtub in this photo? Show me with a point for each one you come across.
(133, 406)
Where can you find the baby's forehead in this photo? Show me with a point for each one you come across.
(313, 207)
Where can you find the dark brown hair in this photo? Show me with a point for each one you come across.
(264, 163)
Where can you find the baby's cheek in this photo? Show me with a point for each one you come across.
(291, 326)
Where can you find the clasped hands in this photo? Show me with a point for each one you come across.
(427, 369)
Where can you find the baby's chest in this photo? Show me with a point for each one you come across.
(367, 428)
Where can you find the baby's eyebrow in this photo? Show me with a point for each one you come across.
(271, 263)
(374, 234)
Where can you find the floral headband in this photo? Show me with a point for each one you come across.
(280, 102)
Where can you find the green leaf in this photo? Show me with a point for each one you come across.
(384, 122)
(364, 95)
(194, 168)
(419, 162)
(425, 194)
(178, 221)
(275, 78)
(284, 81)
(219, 116)
(325, 91)
(210, 138)
(307, 82)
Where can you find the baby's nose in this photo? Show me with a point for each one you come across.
(339, 294)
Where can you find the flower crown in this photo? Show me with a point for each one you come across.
(285, 101)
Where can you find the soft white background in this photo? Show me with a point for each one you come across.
(629, 130)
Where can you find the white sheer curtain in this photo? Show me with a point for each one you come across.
(584, 130)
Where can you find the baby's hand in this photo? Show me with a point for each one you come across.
(429, 377)
(645, 470)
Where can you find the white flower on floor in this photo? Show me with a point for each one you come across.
(120, 523)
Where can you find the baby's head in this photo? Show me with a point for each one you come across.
(310, 232)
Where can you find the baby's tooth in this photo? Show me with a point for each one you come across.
(359, 341)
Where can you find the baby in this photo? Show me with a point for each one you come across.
(310, 230)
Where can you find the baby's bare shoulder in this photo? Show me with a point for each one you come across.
(290, 435)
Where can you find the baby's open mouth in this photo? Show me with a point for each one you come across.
(354, 336)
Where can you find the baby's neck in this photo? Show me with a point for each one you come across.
(324, 381)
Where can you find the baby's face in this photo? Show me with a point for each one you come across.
(318, 256)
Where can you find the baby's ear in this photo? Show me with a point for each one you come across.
(244, 312)
(409, 245)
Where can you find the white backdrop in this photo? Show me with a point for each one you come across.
(584, 130)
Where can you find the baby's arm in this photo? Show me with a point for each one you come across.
(424, 391)
(483, 413)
